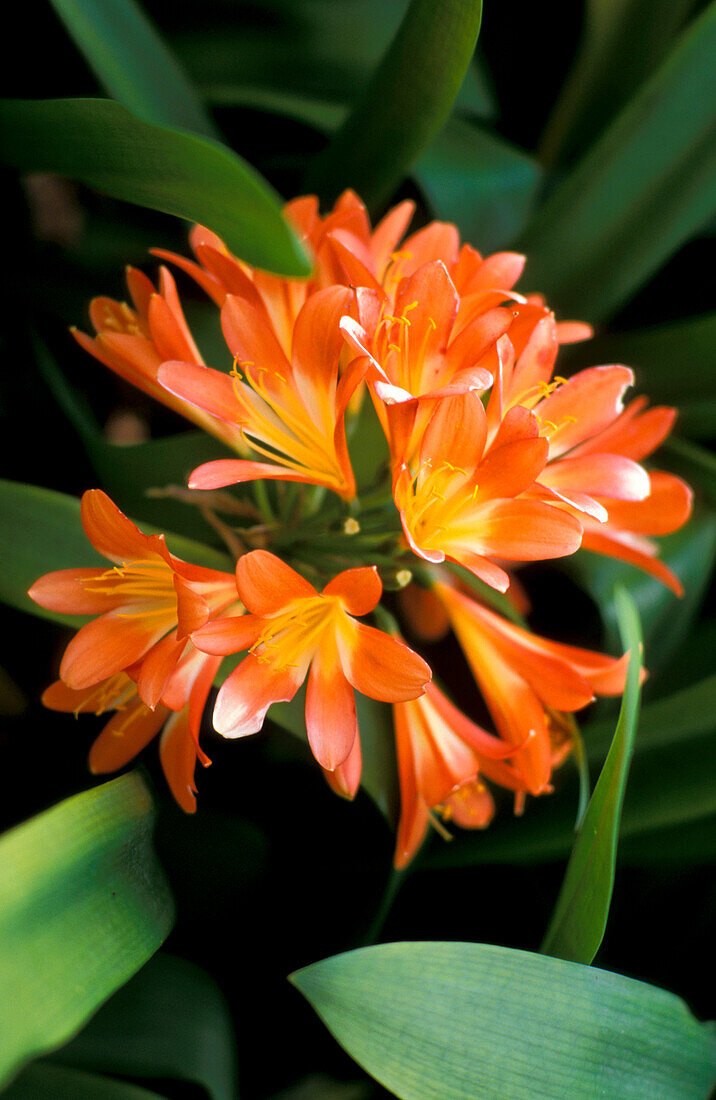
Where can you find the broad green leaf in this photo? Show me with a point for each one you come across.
(453, 1020)
(83, 905)
(169, 1021)
(480, 182)
(666, 618)
(408, 99)
(132, 62)
(42, 531)
(622, 44)
(579, 919)
(47, 1081)
(645, 187)
(99, 143)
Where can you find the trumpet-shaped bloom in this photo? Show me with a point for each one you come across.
(441, 755)
(135, 341)
(148, 603)
(468, 506)
(133, 724)
(290, 628)
(291, 412)
(528, 682)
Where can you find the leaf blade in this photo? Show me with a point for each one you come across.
(101, 144)
(83, 904)
(405, 103)
(580, 914)
(458, 1019)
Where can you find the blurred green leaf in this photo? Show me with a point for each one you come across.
(320, 50)
(621, 45)
(46, 1081)
(480, 182)
(131, 60)
(673, 362)
(83, 904)
(42, 531)
(643, 189)
(453, 1020)
(169, 1021)
(694, 463)
(666, 618)
(99, 143)
(406, 102)
(579, 919)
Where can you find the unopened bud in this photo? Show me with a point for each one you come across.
(351, 526)
(395, 579)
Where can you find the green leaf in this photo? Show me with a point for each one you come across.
(320, 50)
(99, 143)
(453, 1020)
(169, 1021)
(621, 46)
(83, 904)
(46, 1081)
(580, 915)
(406, 102)
(132, 62)
(42, 531)
(643, 189)
(480, 182)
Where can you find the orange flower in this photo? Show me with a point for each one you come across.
(148, 603)
(414, 352)
(595, 448)
(346, 253)
(292, 627)
(135, 342)
(291, 412)
(468, 506)
(441, 754)
(528, 682)
(134, 724)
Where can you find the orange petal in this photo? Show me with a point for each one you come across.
(667, 507)
(456, 432)
(192, 608)
(424, 612)
(345, 779)
(509, 470)
(250, 337)
(110, 532)
(331, 722)
(526, 530)
(317, 338)
(67, 591)
(107, 645)
(618, 544)
(125, 735)
(585, 405)
(249, 691)
(471, 806)
(235, 471)
(157, 668)
(359, 589)
(177, 753)
(230, 635)
(203, 387)
(266, 584)
(380, 666)
(600, 475)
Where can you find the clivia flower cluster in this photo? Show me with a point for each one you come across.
(491, 459)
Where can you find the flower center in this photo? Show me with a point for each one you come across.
(148, 582)
(292, 637)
